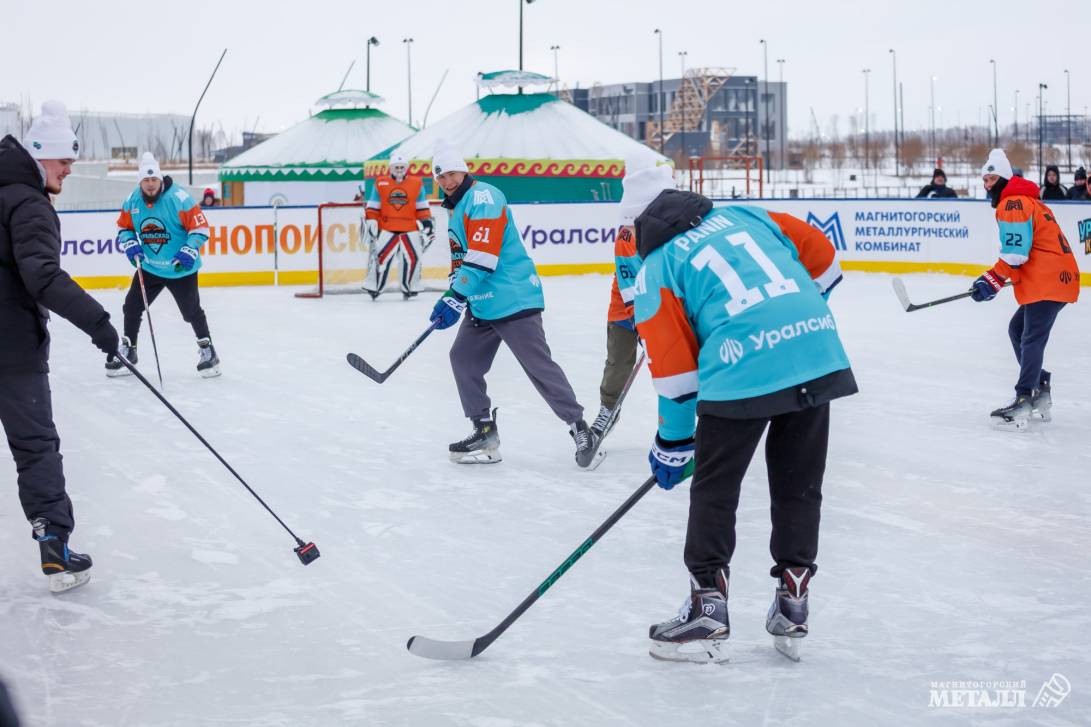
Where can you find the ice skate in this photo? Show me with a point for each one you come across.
(208, 365)
(1015, 416)
(603, 422)
(481, 447)
(585, 442)
(700, 631)
(114, 367)
(787, 618)
(66, 569)
(1041, 402)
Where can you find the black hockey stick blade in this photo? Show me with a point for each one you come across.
(379, 377)
(461, 650)
(365, 368)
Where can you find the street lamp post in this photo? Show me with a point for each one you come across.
(1015, 111)
(370, 42)
(996, 108)
(681, 88)
(662, 98)
(528, 2)
(867, 123)
(1068, 112)
(409, 74)
(765, 99)
(932, 112)
(1041, 162)
(556, 67)
(894, 61)
(783, 131)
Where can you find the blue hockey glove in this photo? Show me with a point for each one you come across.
(987, 286)
(671, 462)
(132, 250)
(448, 310)
(185, 258)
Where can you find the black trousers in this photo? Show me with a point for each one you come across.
(795, 454)
(186, 295)
(26, 410)
(1029, 333)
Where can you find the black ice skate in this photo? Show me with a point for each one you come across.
(787, 619)
(585, 442)
(208, 363)
(114, 367)
(481, 447)
(1041, 403)
(700, 631)
(1016, 415)
(604, 422)
(66, 569)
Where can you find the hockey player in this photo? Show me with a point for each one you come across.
(730, 305)
(396, 207)
(621, 338)
(492, 276)
(32, 283)
(162, 229)
(1038, 260)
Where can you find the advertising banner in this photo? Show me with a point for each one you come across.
(263, 245)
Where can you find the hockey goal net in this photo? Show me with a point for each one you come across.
(342, 250)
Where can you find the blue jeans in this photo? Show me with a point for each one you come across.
(1029, 332)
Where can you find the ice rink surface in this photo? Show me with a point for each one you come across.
(949, 551)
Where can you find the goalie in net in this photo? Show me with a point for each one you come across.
(398, 225)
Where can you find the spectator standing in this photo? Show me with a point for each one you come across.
(1052, 188)
(1079, 188)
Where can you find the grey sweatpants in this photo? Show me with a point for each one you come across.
(475, 348)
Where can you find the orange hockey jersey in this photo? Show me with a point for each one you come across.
(397, 205)
(1034, 253)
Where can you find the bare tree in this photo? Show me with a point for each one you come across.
(913, 152)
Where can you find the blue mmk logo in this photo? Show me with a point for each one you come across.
(831, 228)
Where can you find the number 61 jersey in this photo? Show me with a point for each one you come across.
(735, 324)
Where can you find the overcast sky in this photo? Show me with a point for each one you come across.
(156, 56)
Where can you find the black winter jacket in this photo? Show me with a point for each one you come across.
(1053, 191)
(31, 279)
(931, 191)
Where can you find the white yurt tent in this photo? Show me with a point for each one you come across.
(532, 145)
(317, 160)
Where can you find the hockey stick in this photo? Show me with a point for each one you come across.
(372, 373)
(307, 552)
(903, 297)
(454, 650)
(616, 412)
(148, 313)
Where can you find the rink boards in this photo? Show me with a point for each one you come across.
(266, 245)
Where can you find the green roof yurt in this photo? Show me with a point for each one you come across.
(534, 146)
(318, 160)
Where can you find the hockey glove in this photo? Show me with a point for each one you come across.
(185, 258)
(428, 228)
(671, 461)
(371, 231)
(987, 286)
(132, 250)
(104, 336)
(448, 310)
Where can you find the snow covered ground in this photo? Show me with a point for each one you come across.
(949, 551)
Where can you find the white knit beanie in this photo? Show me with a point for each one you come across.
(447, 158)
(50, 134)
(997, 164)
(149, 168)
(644, 180)
(398, 159)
